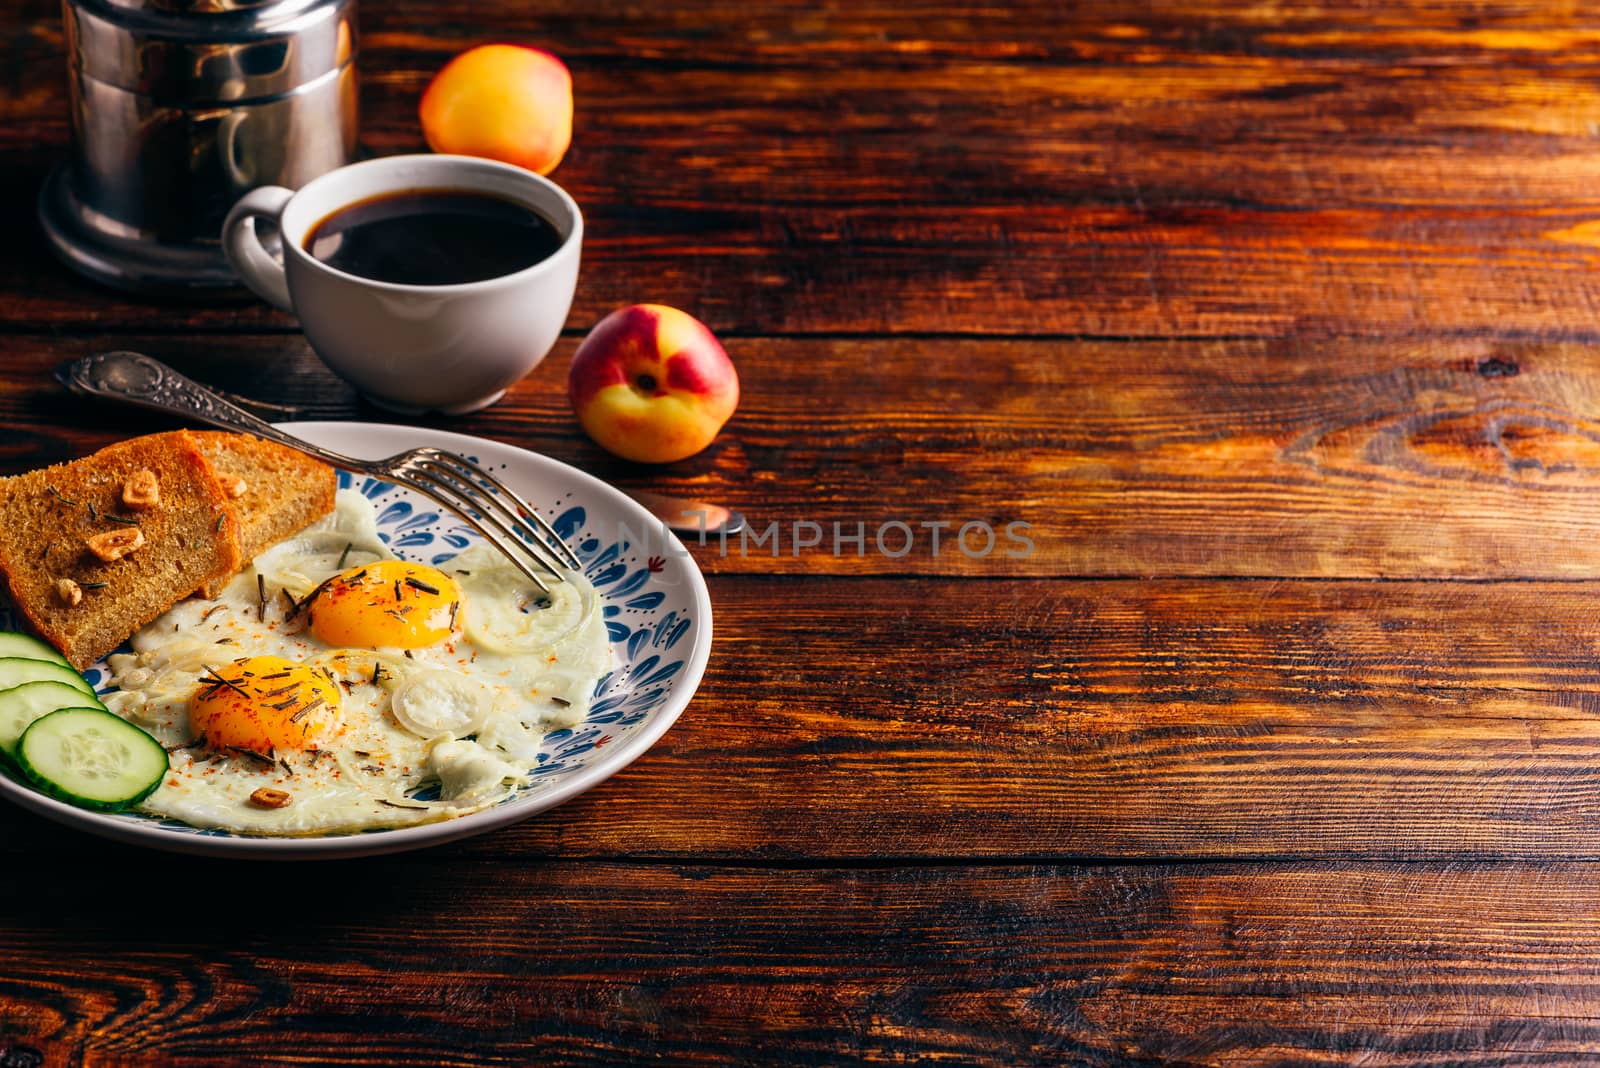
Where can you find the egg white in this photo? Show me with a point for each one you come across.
(472, 710)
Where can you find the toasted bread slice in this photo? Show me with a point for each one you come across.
(280, 491)
(53, 521)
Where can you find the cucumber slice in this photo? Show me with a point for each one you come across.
(21, 705)
(89, 757)
(29, 648)
(14, 671)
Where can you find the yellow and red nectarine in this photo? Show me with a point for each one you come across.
(502, 102)
(652, 383)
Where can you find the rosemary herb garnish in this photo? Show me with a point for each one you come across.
(94, 513)
(397, 589)
(220, 518)
(398, 615)
(347, 547)
(263, 757)
(213, 610)
(281, 690)
(261, 597)
(413, 808)
(408, 654)
(276, 675)
(57, 495)
(301, 606)
(217, 680)
(423, 586)
(377, 673)
(301, 714)
(455, 606)
(93, 585)
(284, 706)
(285, 762)
(129, 520)
(562, 701)
(461, 572)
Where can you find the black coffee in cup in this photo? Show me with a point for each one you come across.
(433, 237)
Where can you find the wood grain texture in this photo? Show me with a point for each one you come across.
(1029, 169)
(1453, 458)
(1274, 320)
(1064, 720)
(579, 964)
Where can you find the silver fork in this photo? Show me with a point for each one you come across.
(506, 521)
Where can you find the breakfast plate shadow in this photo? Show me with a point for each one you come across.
(657, 615)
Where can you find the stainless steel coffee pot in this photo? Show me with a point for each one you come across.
(179, 107)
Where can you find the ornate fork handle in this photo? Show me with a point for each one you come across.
(475, 496)
(135, 378)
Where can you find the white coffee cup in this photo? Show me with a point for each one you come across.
(412, 348)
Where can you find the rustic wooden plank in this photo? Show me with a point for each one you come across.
(602, 963)
(1030, 170)
(1060, 720)
(1450, 457)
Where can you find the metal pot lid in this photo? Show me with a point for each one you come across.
(200, 56)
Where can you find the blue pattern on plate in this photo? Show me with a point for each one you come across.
(641, 634)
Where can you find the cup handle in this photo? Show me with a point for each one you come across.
(257, 267)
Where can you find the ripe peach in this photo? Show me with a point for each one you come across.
(502, 102)
(651, 383)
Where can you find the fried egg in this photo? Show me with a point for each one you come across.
(374, 692)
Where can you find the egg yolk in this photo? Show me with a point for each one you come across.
(391, 604)
(265, 703)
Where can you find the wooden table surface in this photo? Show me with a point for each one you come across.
(1276, 323)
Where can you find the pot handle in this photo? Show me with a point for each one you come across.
(257, 267)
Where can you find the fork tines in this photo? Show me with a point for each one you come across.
(490, 508)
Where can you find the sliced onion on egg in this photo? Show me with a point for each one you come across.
(347, 537)
(431, 703)
(507, 614)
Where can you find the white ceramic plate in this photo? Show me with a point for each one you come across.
(657, 612)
